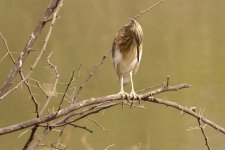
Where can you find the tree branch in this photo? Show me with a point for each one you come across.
(34, 36)
(92, 101)
(186, 110)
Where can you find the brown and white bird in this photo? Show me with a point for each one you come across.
(126, 55)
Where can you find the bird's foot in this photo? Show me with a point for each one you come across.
(133, 96)
(122, 94)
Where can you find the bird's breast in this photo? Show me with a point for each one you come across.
(125, 62)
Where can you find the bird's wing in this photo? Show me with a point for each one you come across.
(138, 49)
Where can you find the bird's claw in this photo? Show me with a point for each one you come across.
(133, 96)
(122, 94)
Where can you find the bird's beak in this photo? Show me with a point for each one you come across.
(132, 20)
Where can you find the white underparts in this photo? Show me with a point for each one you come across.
(117, 57)
(124, 67)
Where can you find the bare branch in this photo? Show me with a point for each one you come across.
(7, 48)
(104, 129)
(34, 36)
(4, 91)
(148, 9)
(94, 101)
(54, 86)
(31, 137)
(34, 129)
(186, 110)
(37, 142)
(67, 88)
(79, 110)
(81, 127)
(59, 138)
(202, 130)
(94, 69)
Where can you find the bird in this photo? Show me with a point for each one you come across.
(126, 55)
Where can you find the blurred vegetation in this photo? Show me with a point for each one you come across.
(183, 39)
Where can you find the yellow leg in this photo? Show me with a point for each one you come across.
(133, 94)
(121, 84)
(121, 93)
(131, 80)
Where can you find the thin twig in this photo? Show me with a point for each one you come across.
(109, 146)
(39, 86)
(81, 127)
(64, 122)
(7, 49)
(149, 88)
(202, 130)
(59, 138)
(94, 69)
(65, 92)
(148, 9)
(54, 86)
(23, 133)
(104, 129)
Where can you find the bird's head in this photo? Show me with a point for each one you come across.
(136, 28)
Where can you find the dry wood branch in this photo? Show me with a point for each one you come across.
(34, 129)
(34, 36)
(4, 91)
(77, 106)
(94, 101)
(22, 77)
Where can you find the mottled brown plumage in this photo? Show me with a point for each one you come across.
(127, 52)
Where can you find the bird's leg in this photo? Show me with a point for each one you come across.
(133, 94)
(122, 93)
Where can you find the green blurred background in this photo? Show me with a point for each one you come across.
(184, 39)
